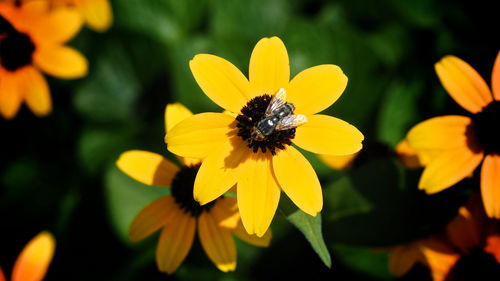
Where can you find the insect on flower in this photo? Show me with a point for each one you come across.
(278, 117)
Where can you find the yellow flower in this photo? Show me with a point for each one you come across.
(243, 151)
(456, 145)
(468, 245)
(177, 214)
(34, 260)
(97, 14)
(31, 40)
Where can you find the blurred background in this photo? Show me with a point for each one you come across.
(58, 174)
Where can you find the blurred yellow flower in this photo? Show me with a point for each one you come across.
(177, 214)
(97, 14)
(34, 260)
(451, 147)
(470, 241)
(254, 149)
(31, 40)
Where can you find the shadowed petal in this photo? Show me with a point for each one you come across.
(221, 81)
(316, 88)
(36, 91)
(269, 67)
(448, 168)
(2, 276)
(175, 242)
(147, 167)
(303, 187)
(255, 240)
(324, 134)
(34, 260)
(201, 134)
(225, 212)
(338, 162)
(61, 61)
(490, 185)
(155, 215)
(219, 172)
(217, 242)
(258, 194)
(403, 257)
(463, 83)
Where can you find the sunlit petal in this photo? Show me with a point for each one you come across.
(269, 66)
(217, 242)
(36, 91)
(147, 167)
(316, 88)
(10, 94)
(324, 134)
(34, 260)
(490, 185)
(258, 194)
(60, 61)
(97, 13)
(495, 78)
(302, 188)
(463, 83)
(59, 26)
(439, 133)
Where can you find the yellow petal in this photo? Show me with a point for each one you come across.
(147, 167)
(255, 240)
(36, 91)
(59, 26)
(34, 260)
(439, 257)
(495, 78)
(10, 95)
(174, 114)
(463, 83)
(225, 212)
(198, 135)
(448, 168)
(155, 215)
(217, 243)
(221, 81)
(490, 185)
(175, 242)
(440, 133)
(97, 13)
(338, 162)
(316, 88)
(402, 258)
(269, 66)
(60, 61)
(258, 194)
(302, 188)
(219, 172)
(409, 156)
(324, 134)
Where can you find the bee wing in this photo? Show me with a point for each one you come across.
(276, 103)
(290, 122)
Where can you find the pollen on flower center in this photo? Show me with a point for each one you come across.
(16, 49)
(248, 127)
(182, 191)
(485, 126)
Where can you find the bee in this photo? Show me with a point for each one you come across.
(278, 117)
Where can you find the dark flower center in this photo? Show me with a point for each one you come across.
(476, 265)
(248, 121)
(486, 126)
(16, 48)
(182, 191)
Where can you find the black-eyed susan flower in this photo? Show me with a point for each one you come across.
(468, 249)
(452, 147)
(34, 260)
(178, 214)
(97, 14)
(31, 42)
(254, 150)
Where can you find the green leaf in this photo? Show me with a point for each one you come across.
(311, 228)
(369, 261)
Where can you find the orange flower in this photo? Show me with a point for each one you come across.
(178, 214)
(31, 40)
(97, 14)
(470, 239)
(452, 147)
(34, 260)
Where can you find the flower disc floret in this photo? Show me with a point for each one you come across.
(484, 123)
(16, 50)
